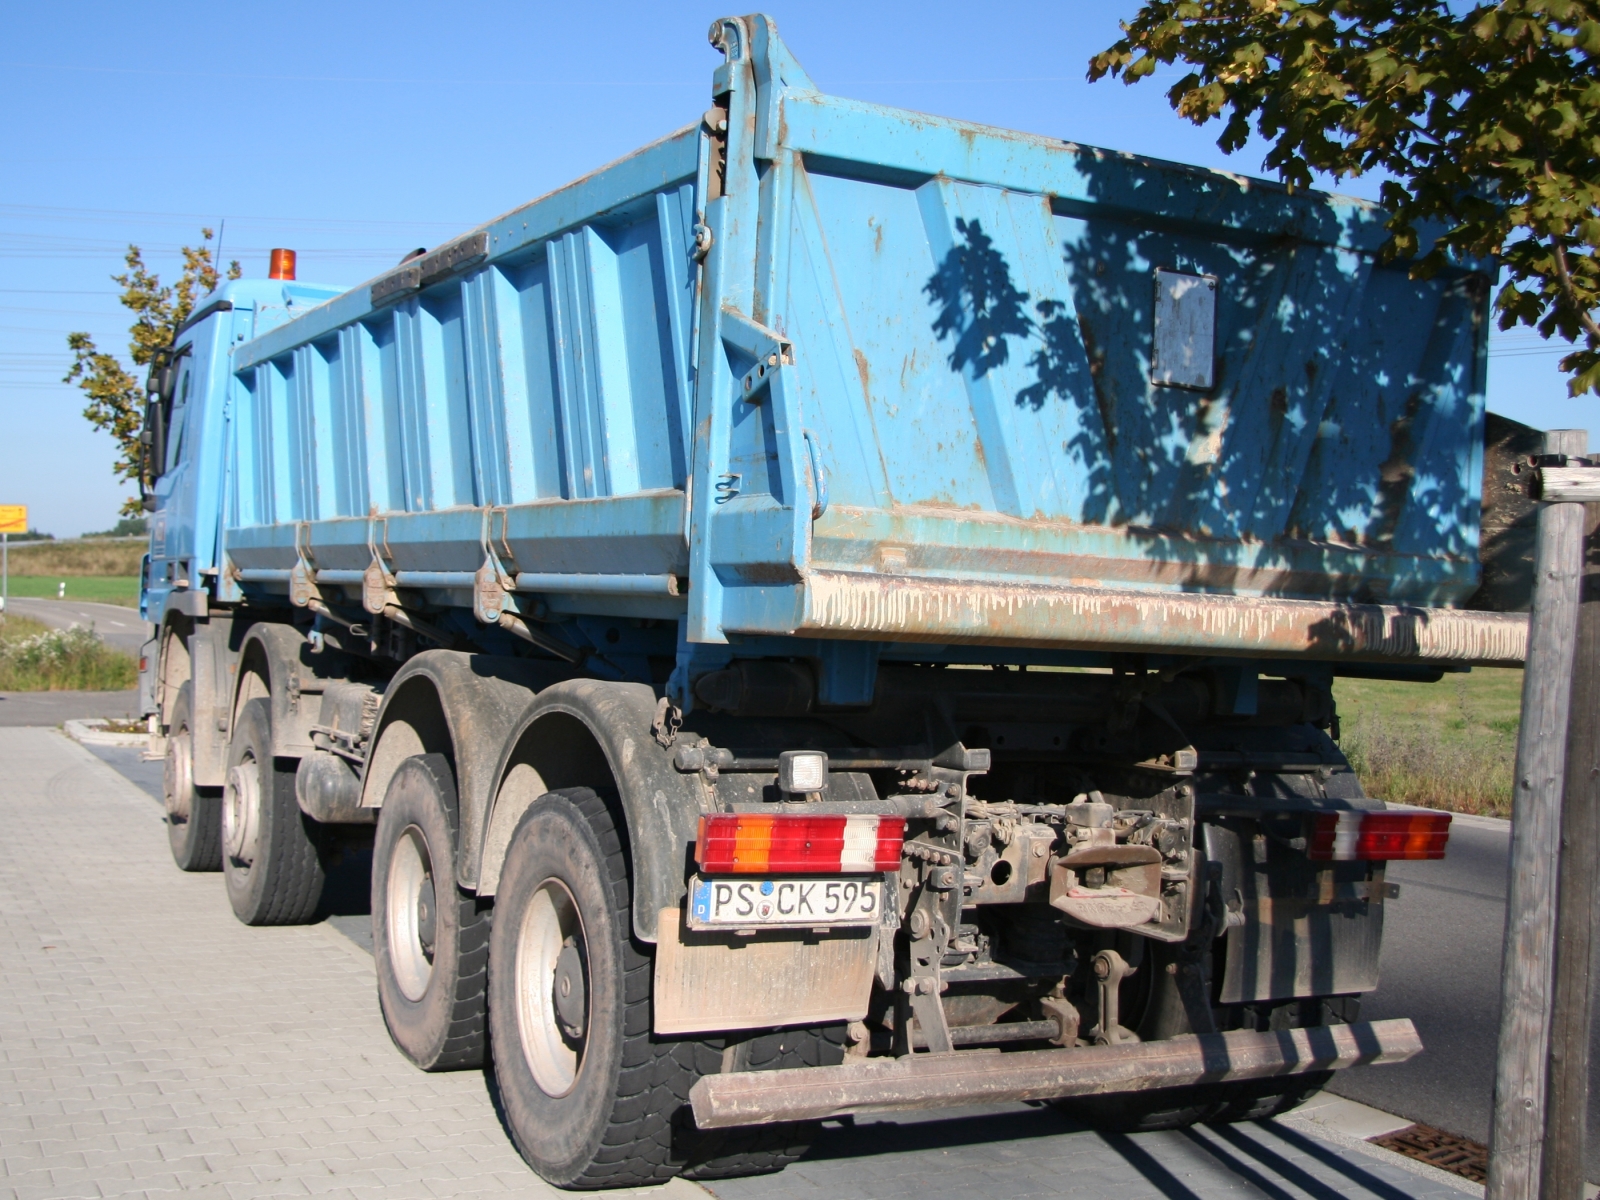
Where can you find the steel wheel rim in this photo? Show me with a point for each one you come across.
(549, 921)
(176, 777)
(241, 812)
(410, 885)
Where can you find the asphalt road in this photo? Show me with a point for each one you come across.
(119, 627)
(1441, 968)
(52, 708)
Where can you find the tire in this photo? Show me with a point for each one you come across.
(194, 814)
(591, 1097)
(270, 856)
(763, 1149)
(430, 939)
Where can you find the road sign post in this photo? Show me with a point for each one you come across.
(13, 519)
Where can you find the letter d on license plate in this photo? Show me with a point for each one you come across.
(752, 903)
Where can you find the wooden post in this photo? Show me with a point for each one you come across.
(1516, 1135)
(1578, 907)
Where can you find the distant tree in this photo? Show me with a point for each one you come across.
(116, 395)
(1485, 118)
(126, 527)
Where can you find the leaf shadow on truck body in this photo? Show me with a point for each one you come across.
(1338, 452)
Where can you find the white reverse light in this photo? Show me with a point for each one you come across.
(802, 771)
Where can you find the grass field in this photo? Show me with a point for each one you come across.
(103, 589)
(119, 557)
(36, 658)
(1450, 744)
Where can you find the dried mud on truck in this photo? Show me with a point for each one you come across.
(834, 611)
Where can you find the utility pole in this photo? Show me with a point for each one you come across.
(1517, 1129)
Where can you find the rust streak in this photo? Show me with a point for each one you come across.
(847, 604)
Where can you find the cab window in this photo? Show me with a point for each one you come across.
(177, 422)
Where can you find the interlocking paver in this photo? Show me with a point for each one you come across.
(159, 1047)
(150, 1045)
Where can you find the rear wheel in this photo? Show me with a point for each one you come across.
(762, 1149)
(270, 854)
(592, 1098)
(194, 814)
(430, 939)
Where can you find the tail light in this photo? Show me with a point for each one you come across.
(753, 844)
(280, 264)
(1350, 836)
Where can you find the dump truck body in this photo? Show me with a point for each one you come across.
(652, 532)
(952, 356)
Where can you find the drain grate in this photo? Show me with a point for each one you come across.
(1439, 1149)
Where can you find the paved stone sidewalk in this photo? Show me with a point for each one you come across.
(151, 1045)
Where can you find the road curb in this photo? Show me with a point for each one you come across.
(90, 731)
(1343, 1125)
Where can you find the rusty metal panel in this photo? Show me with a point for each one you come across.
(707, 982)
(863, 605)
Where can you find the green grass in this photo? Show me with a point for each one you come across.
(36, 658)
(102, 589)
(1450, 744)
(119, 556)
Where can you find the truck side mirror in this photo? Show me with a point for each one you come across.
(153, 437)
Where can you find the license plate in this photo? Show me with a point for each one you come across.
(783, 903)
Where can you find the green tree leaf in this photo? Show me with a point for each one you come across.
(1486, 120)
(116, 396)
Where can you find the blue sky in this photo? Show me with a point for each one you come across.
(355, 132)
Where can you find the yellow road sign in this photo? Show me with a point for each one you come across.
(13, 518)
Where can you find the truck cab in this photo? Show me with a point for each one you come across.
(185, 476)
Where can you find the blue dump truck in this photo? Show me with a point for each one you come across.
(835, 611)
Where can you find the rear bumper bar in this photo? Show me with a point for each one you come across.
(968, 1077)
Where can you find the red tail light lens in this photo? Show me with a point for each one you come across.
(754, 844)
(1382, 836)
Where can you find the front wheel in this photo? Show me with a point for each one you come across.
(270, 858)
(194, 814)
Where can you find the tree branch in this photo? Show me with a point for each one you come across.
(1568, 288)
(1571, 292)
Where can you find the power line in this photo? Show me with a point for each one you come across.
(232, 75)
(555, 83)
(37, 212)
